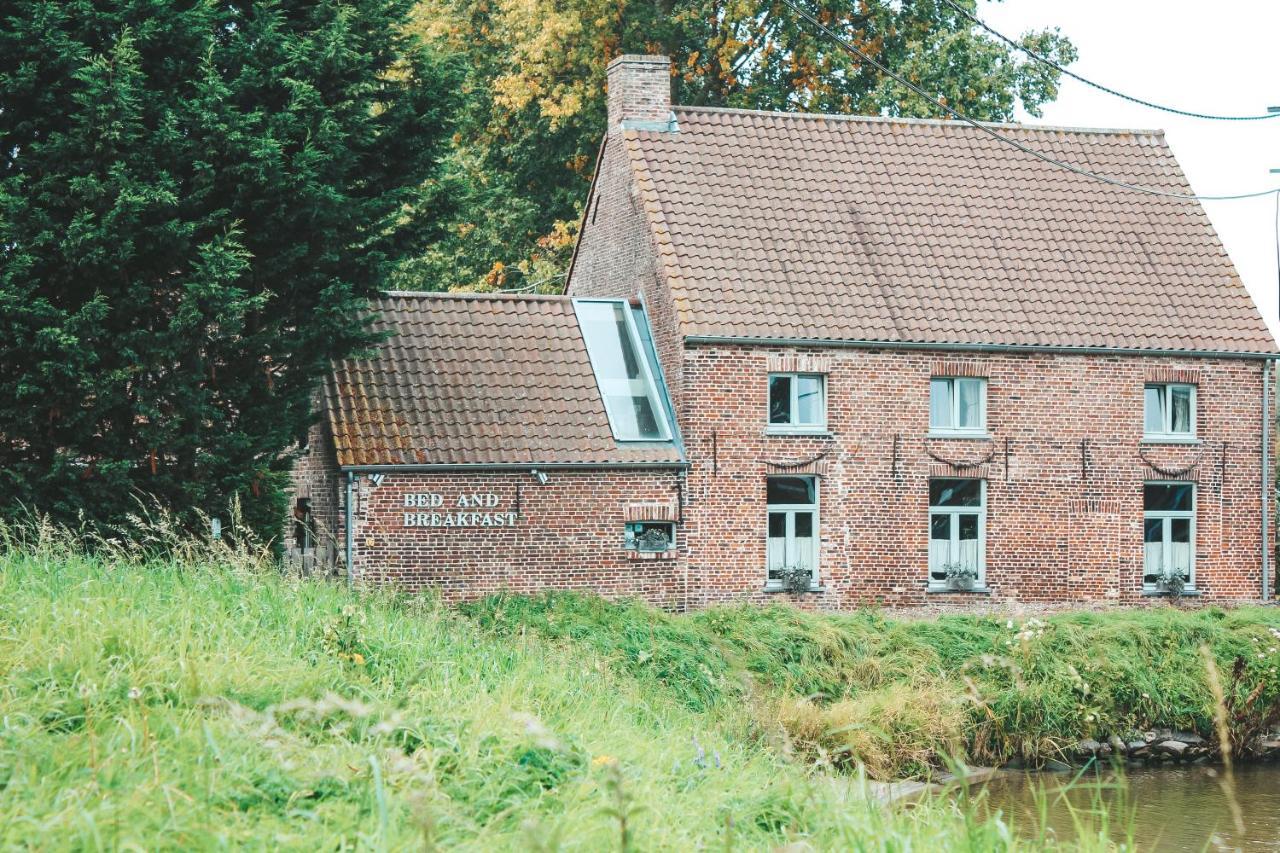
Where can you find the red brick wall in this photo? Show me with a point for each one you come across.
(615, 257)
(315, 476)
(568, 535)
(1055, 532)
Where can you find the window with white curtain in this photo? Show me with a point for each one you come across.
(957, 406)
(957, 528)
(1169, 528)
(793, 527)
(1169, 411)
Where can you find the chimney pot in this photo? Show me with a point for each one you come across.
(640, 93)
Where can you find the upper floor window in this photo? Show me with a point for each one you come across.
(958, 406)
(622, 371)
(1170, 411)
(797, 401)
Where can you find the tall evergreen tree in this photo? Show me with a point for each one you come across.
(196, 201)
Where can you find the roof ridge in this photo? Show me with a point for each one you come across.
(934, 122)
(450, 294)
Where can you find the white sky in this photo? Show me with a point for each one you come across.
(1220, 57)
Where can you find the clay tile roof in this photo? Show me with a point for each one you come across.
(787, 225)
(476, 379)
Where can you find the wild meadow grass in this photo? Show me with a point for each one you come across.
(199, 700)
(198, 704)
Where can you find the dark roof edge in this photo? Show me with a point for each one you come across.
(510, 466)
(933, 122)
(962, 347)
(450, 294)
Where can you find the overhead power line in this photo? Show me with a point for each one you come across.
(1039, 57)
(989, 131)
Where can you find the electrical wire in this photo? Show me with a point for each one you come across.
(1039, 57)
(1039, 155)
(525, 288)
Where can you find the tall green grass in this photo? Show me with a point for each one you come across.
(177, 694)
(196, 702)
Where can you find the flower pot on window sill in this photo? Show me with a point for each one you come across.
(795, 580)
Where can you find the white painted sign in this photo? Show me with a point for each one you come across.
(469, 509)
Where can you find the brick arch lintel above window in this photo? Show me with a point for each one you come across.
(651, 511)
(1176, 465)
(1180, 375)
(817, 466)
(1151, 472)
(958, 369)
(798, 363)
(942, 470)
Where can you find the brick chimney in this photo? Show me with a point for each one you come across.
(640, 93)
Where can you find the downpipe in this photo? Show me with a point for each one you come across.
(1266, 479)
(350, 535)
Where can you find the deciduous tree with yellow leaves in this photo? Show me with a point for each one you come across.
(534, 98)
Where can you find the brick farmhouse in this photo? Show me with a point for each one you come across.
(839, 360)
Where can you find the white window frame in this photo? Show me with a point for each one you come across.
(647, 379)
(792, 427)
(790, 510)
(1167, 516)
(969, 432)
(1166, 434)
(955, 511)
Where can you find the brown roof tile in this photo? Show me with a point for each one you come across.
(791, 225)
(476, 379)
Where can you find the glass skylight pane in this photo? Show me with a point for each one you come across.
(630, 396)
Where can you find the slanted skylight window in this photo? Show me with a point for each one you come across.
(622, 371)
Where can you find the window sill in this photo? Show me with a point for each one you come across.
(1159, 593)
(1169, 439)
(946, 590)
(771, 589)
(815, 432)
(972, 436)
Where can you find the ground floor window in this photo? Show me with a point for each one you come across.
(793, 528)
(649, 536)
(303, 526)
(1169, 526)
(957, 532)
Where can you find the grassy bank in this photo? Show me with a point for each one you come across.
(197, 703)
(193, 705)
(903, 697)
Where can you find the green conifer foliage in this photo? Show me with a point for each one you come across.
(197, 200)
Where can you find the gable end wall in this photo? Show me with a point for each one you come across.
(616, 259)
